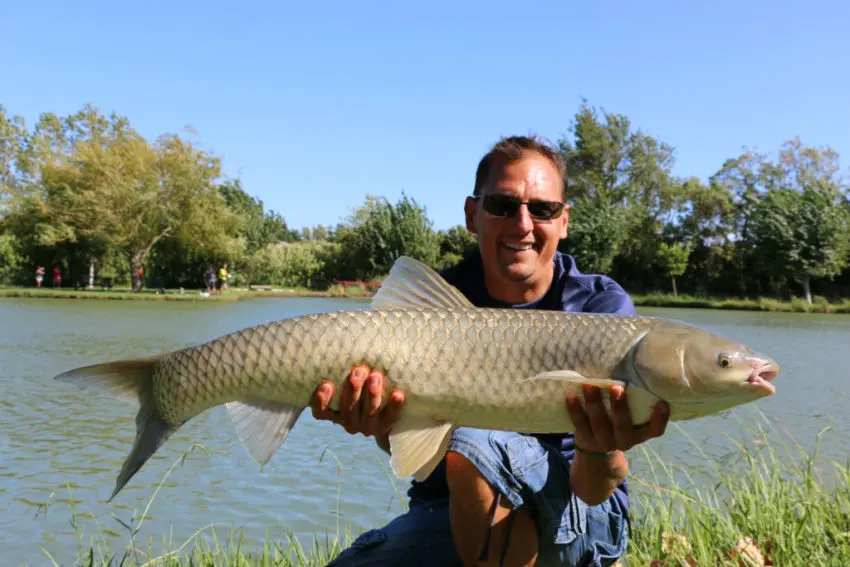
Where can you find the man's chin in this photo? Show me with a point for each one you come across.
(517, 271)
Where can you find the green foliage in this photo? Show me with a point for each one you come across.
(376, 234)
(11, 261)
(800, 226)
(293, 265)
(672, 258)
(596, 233)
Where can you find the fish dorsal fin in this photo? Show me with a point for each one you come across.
(262, 425)
(411, 283)
(417, 445)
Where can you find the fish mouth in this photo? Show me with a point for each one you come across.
(763, 375)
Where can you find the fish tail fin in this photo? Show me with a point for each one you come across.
(129, 380)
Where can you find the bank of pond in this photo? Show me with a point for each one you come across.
(794, 305)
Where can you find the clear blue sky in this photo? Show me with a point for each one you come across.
(316, 107)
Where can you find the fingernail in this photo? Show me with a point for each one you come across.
(359, 374)
(374, 381)
(324, 389)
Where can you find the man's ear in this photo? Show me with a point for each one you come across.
(470, 208)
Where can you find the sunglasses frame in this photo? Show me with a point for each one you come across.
(515, 204)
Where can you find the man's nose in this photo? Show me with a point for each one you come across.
(523, 219)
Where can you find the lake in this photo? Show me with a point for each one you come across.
(61, 448)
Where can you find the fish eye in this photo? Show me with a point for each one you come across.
(724, 361)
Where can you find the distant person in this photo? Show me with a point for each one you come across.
(222, 278)
(39, 275)
(57, 276)
(209, 280)
(502, 497)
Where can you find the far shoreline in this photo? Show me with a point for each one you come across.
(660, 300)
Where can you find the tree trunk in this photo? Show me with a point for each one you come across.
(675, 292)
(91, 274)
(138, 257)
(807, 290)
(135, 264)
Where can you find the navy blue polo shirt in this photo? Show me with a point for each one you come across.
(572, 291)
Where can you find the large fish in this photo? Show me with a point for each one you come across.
(459, 365)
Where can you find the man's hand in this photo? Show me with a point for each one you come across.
(359, 410)
(594, 478)
(596, 432)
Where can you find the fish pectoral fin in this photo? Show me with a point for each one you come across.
(263, 425)
(411, 283)
(417, 445)
(576, 377)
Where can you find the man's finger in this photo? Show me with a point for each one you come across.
(600, 422)
(659, 420)
(321, 400)
(370, 408)
(351, 394)
(392, 412)
(621, 415)
(579, 417)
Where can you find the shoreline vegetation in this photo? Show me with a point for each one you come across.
(767, 501)
(795, 305)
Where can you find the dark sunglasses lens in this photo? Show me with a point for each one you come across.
(500, 206)
(545, 209)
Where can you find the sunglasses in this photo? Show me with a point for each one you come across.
(503, 205)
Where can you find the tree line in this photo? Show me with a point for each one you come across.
(89, 193)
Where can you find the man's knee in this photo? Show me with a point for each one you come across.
(485, 526)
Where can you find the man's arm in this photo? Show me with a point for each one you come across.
(600, 465)
(595, 476)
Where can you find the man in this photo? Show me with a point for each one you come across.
(501, 498)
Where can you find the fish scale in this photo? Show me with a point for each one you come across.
(459, 365)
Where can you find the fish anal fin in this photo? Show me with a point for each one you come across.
(263, 425)
(412, 283)
(417, 445)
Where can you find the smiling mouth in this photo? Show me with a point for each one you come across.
(763, 375)
(517, 247)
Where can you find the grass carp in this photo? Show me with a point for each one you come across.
(458, 365)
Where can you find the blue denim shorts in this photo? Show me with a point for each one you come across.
(533, 477)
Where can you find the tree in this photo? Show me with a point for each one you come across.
(672, 259)
(622, 176)
(376, 234)
(97, 183)
(800, 225)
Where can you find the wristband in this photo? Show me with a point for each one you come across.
(591, 453)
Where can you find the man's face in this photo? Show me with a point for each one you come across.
(519, 249)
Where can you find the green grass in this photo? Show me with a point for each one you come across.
(796, 305)
(792, 504)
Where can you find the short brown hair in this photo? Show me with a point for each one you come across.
(512, 148)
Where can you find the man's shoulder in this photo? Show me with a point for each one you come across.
(595, 293)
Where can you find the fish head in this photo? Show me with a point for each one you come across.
(685, 364)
